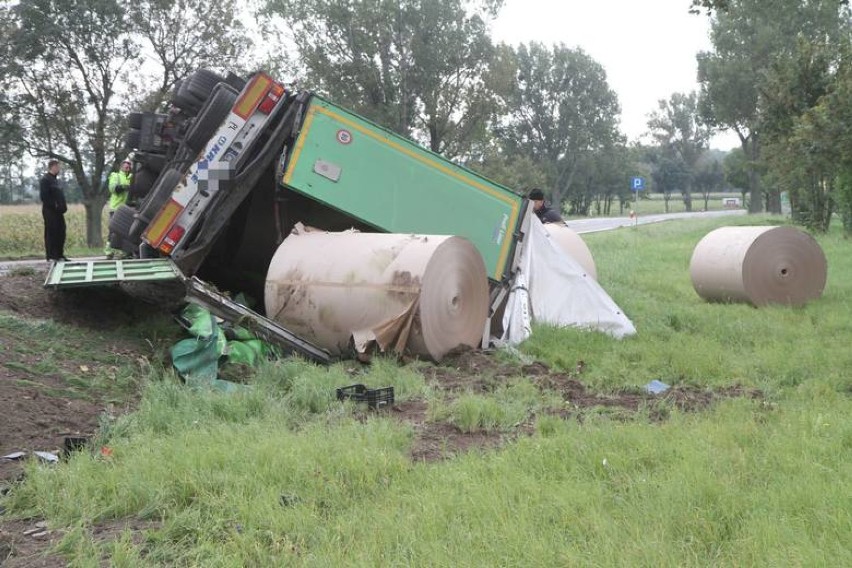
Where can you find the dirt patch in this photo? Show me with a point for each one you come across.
(38, 410)
(24, 543)
(478, 372)
(102, 307)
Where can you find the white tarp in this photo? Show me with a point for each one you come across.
(551, 287)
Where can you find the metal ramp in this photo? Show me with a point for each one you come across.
(82, 273)
(78, 273)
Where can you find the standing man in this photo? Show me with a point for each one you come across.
(53, 208)
(545, 214)
(119, 189)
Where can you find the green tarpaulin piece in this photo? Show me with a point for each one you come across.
(197, 359)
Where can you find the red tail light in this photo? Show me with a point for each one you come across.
(172, 239)
(272, 98)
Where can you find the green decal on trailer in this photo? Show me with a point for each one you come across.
(393, 184)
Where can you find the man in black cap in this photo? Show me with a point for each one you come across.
(545, 214)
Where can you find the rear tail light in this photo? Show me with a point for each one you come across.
(272, 98)
(172, 239)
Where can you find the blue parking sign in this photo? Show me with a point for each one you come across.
(637, 183)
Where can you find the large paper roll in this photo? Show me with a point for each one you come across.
(423, 295)
(758, 265)
(570, 242)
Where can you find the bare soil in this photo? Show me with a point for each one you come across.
(38, 413)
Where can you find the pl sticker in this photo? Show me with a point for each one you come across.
(344, 136)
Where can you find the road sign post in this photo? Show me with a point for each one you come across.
(637, 184)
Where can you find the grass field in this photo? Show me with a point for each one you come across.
(22, 232)
(282, 474)
(22, 228)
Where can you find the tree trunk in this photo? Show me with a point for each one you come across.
(755, 203)
(687, 199)
(773, 202)
(94, 226)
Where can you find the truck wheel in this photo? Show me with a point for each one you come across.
(119, 225)
(134, 120)
(187, 102)
(132, 139)
(201, 83)
(206, 123)
(154, 162)
(143, 180)
(158, 196)
(189, 105)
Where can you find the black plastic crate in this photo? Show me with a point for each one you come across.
(375, 398)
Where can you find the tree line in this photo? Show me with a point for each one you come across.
(526, 115)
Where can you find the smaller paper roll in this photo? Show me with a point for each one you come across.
(758, 265)
(569, 241)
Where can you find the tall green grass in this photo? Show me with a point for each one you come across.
(22, 232)
(282, 474)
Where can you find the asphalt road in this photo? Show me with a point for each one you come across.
(581, 226)
(595, 224)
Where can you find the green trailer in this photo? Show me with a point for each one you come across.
(393, 185)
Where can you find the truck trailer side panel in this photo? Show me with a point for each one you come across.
(394, 185)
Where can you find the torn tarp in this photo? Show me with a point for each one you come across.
(198, 359)
(551, 287)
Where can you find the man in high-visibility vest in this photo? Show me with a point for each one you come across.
(119, 190)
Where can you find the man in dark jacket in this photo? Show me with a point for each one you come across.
(53, 208)
(545, 214)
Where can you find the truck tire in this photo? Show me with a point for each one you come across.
(206, 123)
(132, 139)
(134, 120)
(119, 225)
(154, 162)
(235, 81)
(189, 104)
(194, 90)
(157, 197)
(201, 83)
(143, 180)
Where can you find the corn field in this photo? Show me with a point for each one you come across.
(22, 231)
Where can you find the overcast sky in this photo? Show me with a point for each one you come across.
(647, 47)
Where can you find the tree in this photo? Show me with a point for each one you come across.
(748, 37)
(11, 154)
(737, 171)
(70, 69)
(709, 177)
(416, 66)
(669, 172)
(62, 62)
(800, 157)
(561, 111)
(182, 36)
(677, 127)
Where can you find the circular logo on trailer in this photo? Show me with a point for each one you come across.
(344, 136)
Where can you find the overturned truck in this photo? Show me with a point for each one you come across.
(348, 235)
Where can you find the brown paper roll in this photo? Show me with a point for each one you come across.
(570, 242)
(422, 294)
(758, 265)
